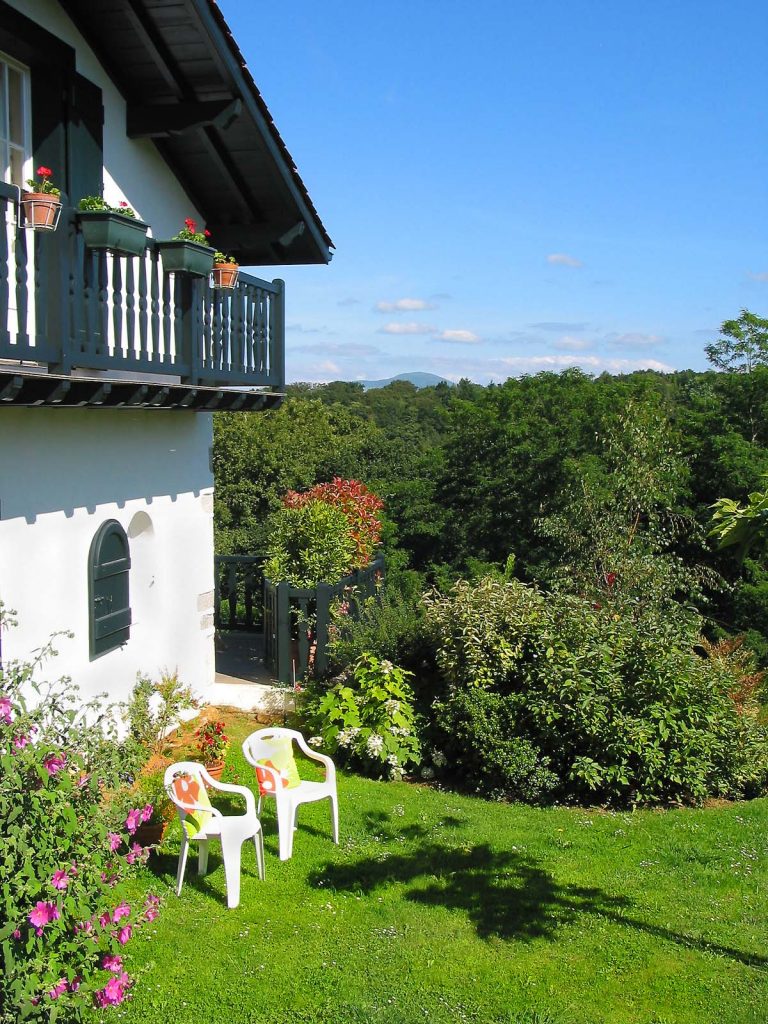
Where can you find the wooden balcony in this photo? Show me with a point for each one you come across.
(73, 312)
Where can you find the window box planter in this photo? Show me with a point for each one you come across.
(182, 257)
(105, 230)
(225, 275)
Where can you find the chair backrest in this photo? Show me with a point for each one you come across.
(262, 742)
(274, 749)
(185, 785)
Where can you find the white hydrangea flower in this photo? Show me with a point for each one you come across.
(427, 773)
(315, 741)
(374, 745)
(397, 730)
(397, 774)
(392, 706)
(393, 761)
(344, 738)
(439, 760)
(386, 666)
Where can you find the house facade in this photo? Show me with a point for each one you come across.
(110, 365)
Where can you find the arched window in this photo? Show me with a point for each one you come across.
(109, 608)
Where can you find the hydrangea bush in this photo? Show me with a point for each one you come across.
(367, 719)
(63, 924)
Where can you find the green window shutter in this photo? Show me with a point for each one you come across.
(85, 139)
(109, 563)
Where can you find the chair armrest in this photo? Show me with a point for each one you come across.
(228, 787)
(314, 755)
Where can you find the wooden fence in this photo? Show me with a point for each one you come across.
(238, 602)
(296, 620)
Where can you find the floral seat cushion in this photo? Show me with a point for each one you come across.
(193, 797)
(280, 759)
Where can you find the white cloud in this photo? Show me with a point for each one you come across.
(408, 327)
(562, 259)
(569, 344)
(459, 337)
(403, 306)
(338, 349)
(557, 325)
(634, 339)
(762, 276)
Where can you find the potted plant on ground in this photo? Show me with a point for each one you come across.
(188, 251)
(225, 271)
(111, 227)
(212, 743)
(148, 794)
(42, 203)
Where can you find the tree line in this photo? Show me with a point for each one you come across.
(532, 468)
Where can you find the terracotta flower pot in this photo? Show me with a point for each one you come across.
(41, 210)
(150, 833)
(215, 769)
(225, 275)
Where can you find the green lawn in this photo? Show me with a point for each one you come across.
(443, 908)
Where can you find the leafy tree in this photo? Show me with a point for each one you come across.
(742, 346)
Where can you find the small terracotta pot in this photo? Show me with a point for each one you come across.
(40, 209)
(215, 769)
(150, 834)
(225, 275)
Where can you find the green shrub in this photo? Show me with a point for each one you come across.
(389, 626)
(63, 924)
(367, 720)
(618, 705)
(480, 749)
(153, 709)
(308, 544)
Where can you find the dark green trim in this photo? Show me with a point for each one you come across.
(109, 608)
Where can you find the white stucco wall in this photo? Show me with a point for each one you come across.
(63, 472)
(134, 171)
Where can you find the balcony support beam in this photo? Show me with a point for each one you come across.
(160, 121)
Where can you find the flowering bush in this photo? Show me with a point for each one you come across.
(44, 174)
(212, 741)
(189, 233)
(369, 719)
(62, 923)
(360, 507)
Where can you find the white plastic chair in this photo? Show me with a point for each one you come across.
(186, 783)
(257, 747)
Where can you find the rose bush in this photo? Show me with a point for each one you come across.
(63, 925)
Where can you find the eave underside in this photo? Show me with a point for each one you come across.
(188, 88)
(59, 392)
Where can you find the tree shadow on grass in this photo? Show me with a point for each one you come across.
(505, 894)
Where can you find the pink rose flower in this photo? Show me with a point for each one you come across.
(105, 920)
(114, 840)
(19, 742)
(121, 910)
(133, 820)
(60, 880)
(112, 963)
(53, 763)
(5, 710)
(58, 989)
(146, 812)
(124, 935)
(150, 914)
(43, 914)
(113, 992)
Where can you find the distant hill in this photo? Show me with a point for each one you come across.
(419, 380)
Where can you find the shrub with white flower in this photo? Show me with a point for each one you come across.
(367, 718)
(63, 925)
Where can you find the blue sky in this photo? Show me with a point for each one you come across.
(519, 186)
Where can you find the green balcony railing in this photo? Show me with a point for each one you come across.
(65, 306)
